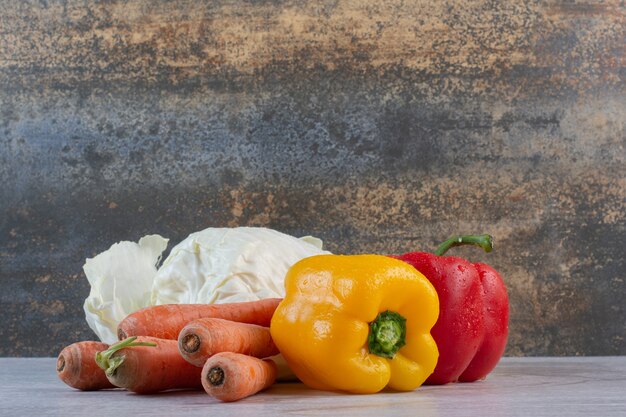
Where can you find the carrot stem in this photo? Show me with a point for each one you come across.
(109, 364)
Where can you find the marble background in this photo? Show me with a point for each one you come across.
(377, 125)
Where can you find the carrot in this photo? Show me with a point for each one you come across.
(76, 366)
(230, 376)
(167, 320)
(148, 364)
(203, 338)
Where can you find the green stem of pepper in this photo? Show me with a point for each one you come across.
(387, 334)
(484, 241)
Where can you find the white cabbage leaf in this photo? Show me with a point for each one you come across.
(121, 282)
(223, 265)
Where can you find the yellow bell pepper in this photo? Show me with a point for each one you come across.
(357, 323)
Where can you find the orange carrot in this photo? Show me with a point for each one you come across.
(167, 320)
(77, 367)
(147, 365)
(203, 338)
(230, 376)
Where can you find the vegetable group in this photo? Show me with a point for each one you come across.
(357, 323)
(146, 364)
(472, 328)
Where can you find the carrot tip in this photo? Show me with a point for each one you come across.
(60, 363)
(215, 376)
(191, 343)
(121, 334)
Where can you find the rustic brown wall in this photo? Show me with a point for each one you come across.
(377, 125)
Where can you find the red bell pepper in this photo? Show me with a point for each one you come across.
(473, 324)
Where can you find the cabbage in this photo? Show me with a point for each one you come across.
(224, 265)
(215, 265)
(121, 282)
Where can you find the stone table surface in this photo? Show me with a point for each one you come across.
(582, 386)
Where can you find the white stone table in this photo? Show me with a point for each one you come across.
(590, 386)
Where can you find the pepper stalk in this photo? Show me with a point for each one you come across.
(484, 241)
(387, 334)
